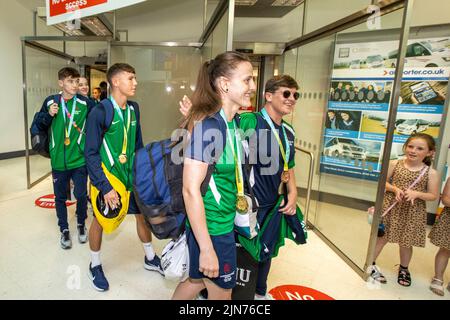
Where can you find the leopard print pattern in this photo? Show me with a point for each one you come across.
(440, 233)
(406, 224)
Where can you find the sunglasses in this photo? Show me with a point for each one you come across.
(287, 94)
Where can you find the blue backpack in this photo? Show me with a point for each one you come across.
(158, 184)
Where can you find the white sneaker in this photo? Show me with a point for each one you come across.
(376, 274)
(267, 296)
(200, 297)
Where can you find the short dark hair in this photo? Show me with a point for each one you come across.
(67, 72)
(117, 68)
(277, 82)
(97, 88)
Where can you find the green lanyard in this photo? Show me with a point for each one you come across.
(241, 201)
(285, 155)
(126, 128)
(70, 116)
(275, 132)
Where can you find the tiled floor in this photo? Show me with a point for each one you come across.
(33, 266)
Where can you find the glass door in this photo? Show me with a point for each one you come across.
(345, 81)
(40, 74)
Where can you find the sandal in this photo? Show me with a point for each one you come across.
(404, 277)
(437, 287)
(376, 274)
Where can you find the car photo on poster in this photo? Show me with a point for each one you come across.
(344, 148)
(405, 123)
(411, 126)
(375, 61)
(421, 54)
(384, 123)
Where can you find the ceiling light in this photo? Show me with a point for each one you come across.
(68, 29)
(245, 2)
(88, 26)
(96, 26)
(287, 3)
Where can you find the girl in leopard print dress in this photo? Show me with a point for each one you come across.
(405, 223)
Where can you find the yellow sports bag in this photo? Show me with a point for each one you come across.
(108, 218)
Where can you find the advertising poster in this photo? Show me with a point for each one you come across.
(360, 92)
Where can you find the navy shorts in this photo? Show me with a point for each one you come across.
(132, 206)
(225, 247)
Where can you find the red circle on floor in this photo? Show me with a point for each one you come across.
(293, 292)
(48, 202)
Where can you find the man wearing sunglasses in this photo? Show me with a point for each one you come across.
(272, 154)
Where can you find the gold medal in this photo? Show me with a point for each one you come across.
(123, 158)
(67, 141)
(241, 204)
(285, 176)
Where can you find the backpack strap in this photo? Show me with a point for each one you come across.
(109, 113)
(57, 98)
(212, 167)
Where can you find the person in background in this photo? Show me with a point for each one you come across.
(104, 90)
(83, 87)
(347, 122)
(96, 93)
(440, 237)
(332, 121)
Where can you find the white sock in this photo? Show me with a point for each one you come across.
(95, 259)
(149, 252)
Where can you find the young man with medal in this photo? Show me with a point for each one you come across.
(65, 115)
(111, 146)
(272, 156)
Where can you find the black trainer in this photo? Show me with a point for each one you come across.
(66, 242)
(82, 233)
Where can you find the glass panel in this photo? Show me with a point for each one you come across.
(348, 159)
(425, 87)
(41, 81)
(211, 5)
(207, 49)
(217, 40)
(319, 13)
(96, 49)
(162, 20)
(164, 75)
(268, 24)
(219, 36)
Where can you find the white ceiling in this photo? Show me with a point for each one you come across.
(189, 14)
